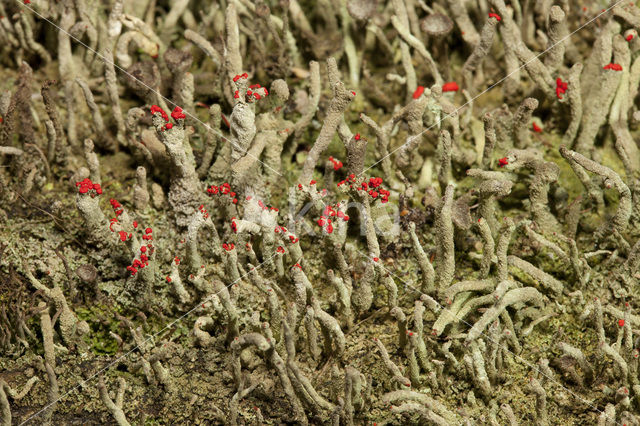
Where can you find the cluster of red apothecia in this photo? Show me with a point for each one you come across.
(251, 94)
(265, 207)
(281, 229)
(337, 164)
(323, 192)
(328, 213)
(204, 212)
(86, 185)
(177, 114)
(612, 66)
(373, 187)
(224, 189)
(144, 259)
(145, 250)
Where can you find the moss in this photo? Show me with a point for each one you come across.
(101, 320)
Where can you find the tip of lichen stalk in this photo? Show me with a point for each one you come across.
(178, 114)
(87, 185)
(451, 86)
(156, 109)
(613, 67)
(561, 87)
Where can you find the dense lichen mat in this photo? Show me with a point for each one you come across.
(348, 212)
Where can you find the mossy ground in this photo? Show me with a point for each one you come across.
(202, 374)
